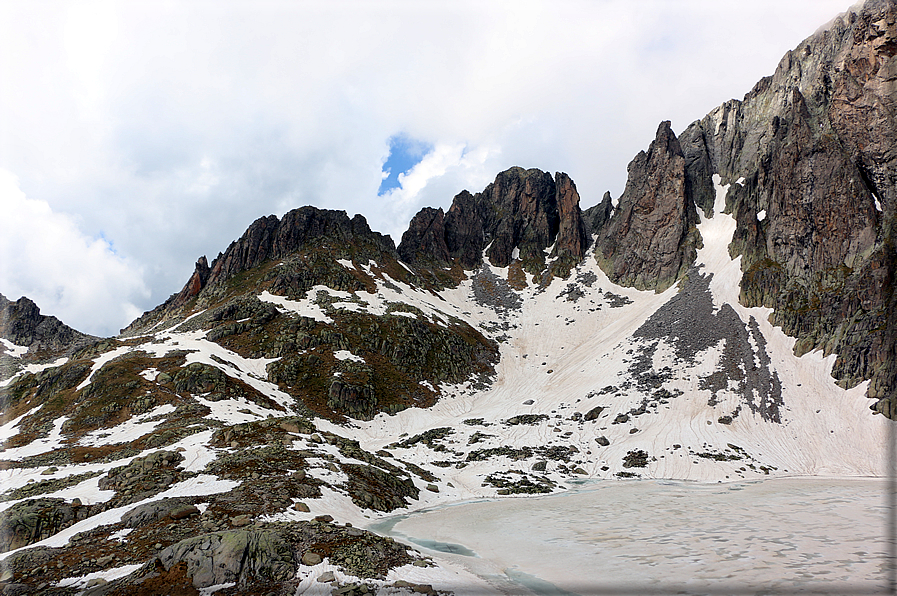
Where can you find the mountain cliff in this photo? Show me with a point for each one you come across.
(731, 316)
(814, 144)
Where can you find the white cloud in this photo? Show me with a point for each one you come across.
(79, 280)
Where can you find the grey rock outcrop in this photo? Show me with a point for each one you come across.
(651, 237)
(33, 520)
(238, 556)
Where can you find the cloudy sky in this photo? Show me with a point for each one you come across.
(137, 136)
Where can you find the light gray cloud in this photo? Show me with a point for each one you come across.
(169, 127)
(68, 274)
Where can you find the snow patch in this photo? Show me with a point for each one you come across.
(761, 215)
(236, 410)
(197, 486)
(34, 369)
(8, 429)
(38, 446)
(101, 361)
(12, 349)
(215, 588)
(129, 430)
(107, 575)
(120, 535)
(347, 355)
(305, 308)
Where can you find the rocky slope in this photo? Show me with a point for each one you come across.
(731, 317)
(30, 338)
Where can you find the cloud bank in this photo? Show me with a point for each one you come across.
(66, 273)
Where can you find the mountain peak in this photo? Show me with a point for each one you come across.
(516, 217)
(651, 240)
(28, 337)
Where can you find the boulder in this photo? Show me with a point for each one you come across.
(238, 556)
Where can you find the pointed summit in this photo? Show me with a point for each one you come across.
(518, 216)
(651, 237)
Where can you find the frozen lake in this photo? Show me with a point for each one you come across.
(779, 536)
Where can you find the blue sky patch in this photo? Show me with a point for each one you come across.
(404, 154)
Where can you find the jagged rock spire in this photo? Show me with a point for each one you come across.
(651, 239)
(526, 210)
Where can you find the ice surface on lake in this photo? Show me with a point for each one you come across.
(791, 534)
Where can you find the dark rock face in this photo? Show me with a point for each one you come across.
(816, 145)
(519, 209)
(22, 324)
(523, 209)
(572, 239)
(651, 239)
(698, 169)
(269, 238)
(596, 216)
(424, 241)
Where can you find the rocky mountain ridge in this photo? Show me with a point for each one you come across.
(729, 318)
(28, 337)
